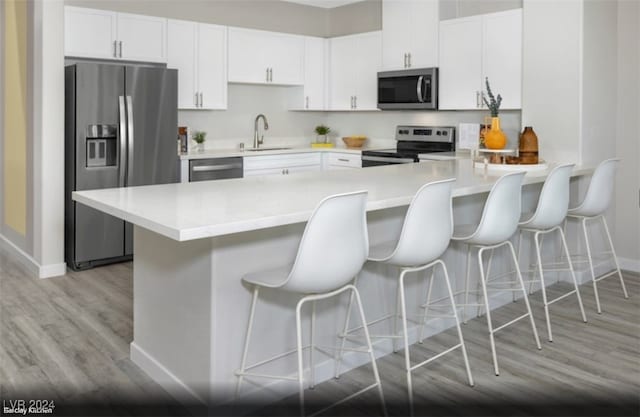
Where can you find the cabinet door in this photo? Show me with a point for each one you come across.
(89, 33)
(460, 63)
(424, 28)
(314, 73)
(396, 19)
(181, 55)
(285, 58)
(212, 66)
(342, 72)
(247, 56)
(367, 64)
(502, 56)
(143, 37)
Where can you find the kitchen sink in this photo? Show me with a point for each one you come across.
(264, 149)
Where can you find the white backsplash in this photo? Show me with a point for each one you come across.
(226, 129)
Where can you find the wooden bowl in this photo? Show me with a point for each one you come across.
(354, 142)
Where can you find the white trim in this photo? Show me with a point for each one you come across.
(37, 270)
(165, 378)
(631, 265)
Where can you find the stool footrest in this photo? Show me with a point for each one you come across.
(355, 394)
(251, 374)
(561, 297)
(435, 357)
(510, 323)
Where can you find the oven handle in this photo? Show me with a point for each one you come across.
(391, 160)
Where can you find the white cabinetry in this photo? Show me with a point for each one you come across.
(473, 48)
(340, 160)
(91, 33)
(199, 52)
(315, 69)
(354, 63)
(260, 57)
(410, 34)
(283, 164)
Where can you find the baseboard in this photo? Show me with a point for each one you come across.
(631, 265)
(165, 378)
(33, 267)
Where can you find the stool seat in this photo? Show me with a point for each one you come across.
(381, 252)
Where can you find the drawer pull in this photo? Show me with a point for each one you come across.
(208, 168)
(343, 160)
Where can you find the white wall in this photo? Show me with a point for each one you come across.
(627, 207)
(552, 73)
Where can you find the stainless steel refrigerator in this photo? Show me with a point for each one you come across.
(121, 126)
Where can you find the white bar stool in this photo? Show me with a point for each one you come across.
(595, 203)
(498, 223)
(549, 215)
(425, 236)
(337, 229)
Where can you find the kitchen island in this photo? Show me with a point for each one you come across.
(193, 242)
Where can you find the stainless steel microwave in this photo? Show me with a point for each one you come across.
(414, 89)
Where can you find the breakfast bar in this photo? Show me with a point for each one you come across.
(193, 242)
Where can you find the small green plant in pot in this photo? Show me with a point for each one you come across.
(322, 131)
(199, 138)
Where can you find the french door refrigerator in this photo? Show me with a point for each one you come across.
(121, 131)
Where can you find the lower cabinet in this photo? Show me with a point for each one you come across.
(283, 164)
(339, 160)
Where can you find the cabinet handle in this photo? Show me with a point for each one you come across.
(306, 102)
(201, 100)
(120, 48)
(477, 99)
(405, 60)
(271, 74)
(343, 160)
(355, 102)
(115, 49)
(409, 56)
(196, 99)
(267, 79)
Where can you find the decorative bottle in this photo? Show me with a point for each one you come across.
(528, 149)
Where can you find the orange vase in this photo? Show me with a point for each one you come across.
(495, 138)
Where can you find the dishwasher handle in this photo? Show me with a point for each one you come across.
(211, 168)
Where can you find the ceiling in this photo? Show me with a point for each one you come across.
(327, 4)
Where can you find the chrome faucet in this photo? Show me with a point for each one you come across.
(257, 140)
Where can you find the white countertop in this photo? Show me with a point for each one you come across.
(187, 211)
(223, 153)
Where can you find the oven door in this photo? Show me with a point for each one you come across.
(372, 161)
(408, 89)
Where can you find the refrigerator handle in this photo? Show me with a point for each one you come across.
(130, 141)
(123, 142)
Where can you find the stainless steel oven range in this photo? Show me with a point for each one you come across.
(410, 142)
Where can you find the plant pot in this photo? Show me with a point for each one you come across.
(321, 138)
(199, 147)
(495, 138)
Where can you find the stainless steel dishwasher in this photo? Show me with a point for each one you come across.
(215, 169)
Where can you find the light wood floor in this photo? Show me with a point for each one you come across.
(67, 339)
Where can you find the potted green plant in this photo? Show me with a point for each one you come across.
(322, 131)
(495, 137)
(199, 138)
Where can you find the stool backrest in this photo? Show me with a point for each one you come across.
(600, 190)
(554, 199)
(334, 245)
(501, 211)
(427, 227)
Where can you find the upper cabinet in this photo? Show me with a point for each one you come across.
(409, 34)
(260, 57)
(473, 48)
(101, 34)
(353, 71)
(313, 94)
(199, 52)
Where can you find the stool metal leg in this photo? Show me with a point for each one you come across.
(299, 353)
(426, 308)
(486, 301)
(340, 352)
(526, 298)
(513, 293)
(573, 274)
(247, 338)
(542, 284)
(312, 371)
(466, 285)
(405, 336)
(615, 257)
(455, 313)
(396, 316)
(487, 274)
(593, 274)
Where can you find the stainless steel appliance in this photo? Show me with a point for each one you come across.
(120, 130)
(215, 168)
(415, 89)
(412, 141)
